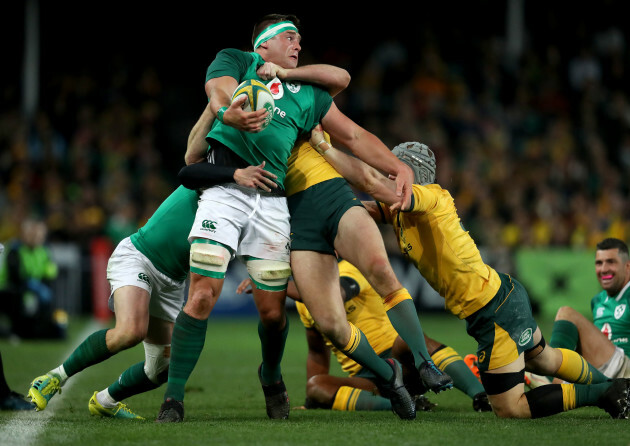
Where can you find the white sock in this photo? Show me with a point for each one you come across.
(61, 373)
(105, 399)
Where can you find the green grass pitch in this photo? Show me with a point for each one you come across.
(224, 403)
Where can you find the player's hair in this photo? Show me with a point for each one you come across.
(613, 243)
(270, 19)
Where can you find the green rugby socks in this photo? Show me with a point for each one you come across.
(404, 319)
(91, 351)
(564, 335)
(451, 363)
(133, 381)
(272, 343)
(189, 336)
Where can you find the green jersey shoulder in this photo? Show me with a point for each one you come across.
(611, 314)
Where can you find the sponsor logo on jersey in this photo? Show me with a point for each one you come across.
(275, 86)
(482, 356)
(144, 278)
(294, 87)
(526, 336)
(607, 330)
(619, 310)
(209, 225)
(600, 312)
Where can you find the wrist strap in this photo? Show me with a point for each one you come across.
(319, 149)
(220, 113)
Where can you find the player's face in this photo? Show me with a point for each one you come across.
(284, 49)
(612, 270)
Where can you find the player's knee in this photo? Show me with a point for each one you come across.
(272, 316)
(509, 411)
(312, 387)
(200, 302)
(565, 314)
(127, 338)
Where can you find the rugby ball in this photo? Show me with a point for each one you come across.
(258, 97)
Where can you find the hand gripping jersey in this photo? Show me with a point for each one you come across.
(432, 237)
(611, 314)
(298, 108)
(366, 312)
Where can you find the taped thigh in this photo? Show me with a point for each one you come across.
(209, 258)
(269, 275)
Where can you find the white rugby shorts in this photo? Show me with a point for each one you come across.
(128, 266)
(618, 366)
(249, 221)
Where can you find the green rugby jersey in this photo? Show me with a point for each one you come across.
(298, 108)
(611, 314)
(164, 238)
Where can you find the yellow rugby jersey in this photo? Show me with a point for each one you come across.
(366, 311)
(307, 167)
(432, 237)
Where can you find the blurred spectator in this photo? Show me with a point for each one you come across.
(26, 276)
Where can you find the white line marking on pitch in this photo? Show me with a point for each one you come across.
(25, 427)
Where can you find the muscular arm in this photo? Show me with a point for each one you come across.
(197, 146)
(356, 172)
(333, 79)
(369, 148)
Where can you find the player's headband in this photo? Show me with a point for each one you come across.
(272, 31)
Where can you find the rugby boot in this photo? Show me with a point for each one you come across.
(119, 411)
(276, 398)
(394, 389)
(480, 403)
(42, 389)
(616, 399)
(422, 403)
(15, 401)
(171, 411)
(433, 378)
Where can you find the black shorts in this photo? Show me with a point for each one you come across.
(315, 214)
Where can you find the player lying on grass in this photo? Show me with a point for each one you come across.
(364, 308)
(604, 342)
(495, 306)
(147, 273)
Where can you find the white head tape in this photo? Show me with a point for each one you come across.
(272, 31)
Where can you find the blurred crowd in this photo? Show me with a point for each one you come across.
(535, 149)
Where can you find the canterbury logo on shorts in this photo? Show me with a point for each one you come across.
(209, 225)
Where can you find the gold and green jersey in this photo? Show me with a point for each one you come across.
(306, 167)
(366, 312)
(432, 237)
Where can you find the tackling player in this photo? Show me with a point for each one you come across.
(495, 306)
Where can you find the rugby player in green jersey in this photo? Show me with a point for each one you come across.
(605, 342)
(147, 273)
(234, 222)
(495, 306)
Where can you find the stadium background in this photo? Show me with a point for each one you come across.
(524, 103)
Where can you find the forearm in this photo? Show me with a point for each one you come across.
(333, 79)
(362, 176)
(203, 175)
(197, 147)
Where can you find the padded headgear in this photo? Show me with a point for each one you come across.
(420, 158)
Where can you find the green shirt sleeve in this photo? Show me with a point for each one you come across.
(230, 62)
